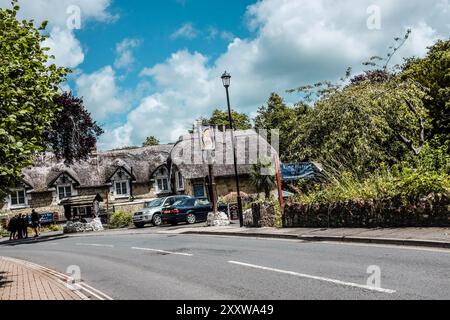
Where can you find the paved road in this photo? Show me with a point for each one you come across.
(155, 266)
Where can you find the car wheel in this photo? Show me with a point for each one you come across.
(191, 218)
(139, 225)
(157, 220)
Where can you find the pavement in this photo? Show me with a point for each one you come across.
(170, 265)
(22, 281)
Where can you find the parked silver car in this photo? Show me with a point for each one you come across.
(151, 214)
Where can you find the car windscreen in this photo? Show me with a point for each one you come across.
(156, 203)
(149, 204)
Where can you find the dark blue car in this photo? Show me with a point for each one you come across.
(190, 211)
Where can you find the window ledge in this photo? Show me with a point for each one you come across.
(19, 207)
(122, 197)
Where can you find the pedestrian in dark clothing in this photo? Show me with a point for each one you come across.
(19, 227)
(12, 228)
(35, 223)
(25, 222)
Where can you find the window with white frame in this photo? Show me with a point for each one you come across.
(121, 189)
(18, 198)
(64, 192)
(162, 181)
(180, 181)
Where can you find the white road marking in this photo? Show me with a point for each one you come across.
(163, 251)
(306, 276)
(95, 245)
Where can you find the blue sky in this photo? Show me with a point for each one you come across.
(153, 22)
(153, 67)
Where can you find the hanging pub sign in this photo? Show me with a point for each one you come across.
(208, 139)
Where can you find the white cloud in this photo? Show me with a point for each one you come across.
(101, 95)
(186, 31)
(65, 47)
(63, 43)
(296, 42)
(124, 52)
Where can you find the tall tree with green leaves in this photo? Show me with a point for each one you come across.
(151, 141)
(221, 118)
(359, 126)
(433, 73)
(28, 88)
(277, 115)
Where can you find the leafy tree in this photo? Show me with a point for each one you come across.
(433, 73)
(151, 141)
(262, 176)
(360, 126)
(277, 115)
(376, 117)
(220, 118)
(73, 133)
(28, 88)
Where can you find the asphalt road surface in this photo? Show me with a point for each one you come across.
(167, 267)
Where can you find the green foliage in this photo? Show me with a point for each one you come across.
(360, 126)
(151, 141)
(278, 116)
(221, 118)
(55, 228)
(429, 175)
(120, 220)
(28, 87)
(433, 73)
(262, 176)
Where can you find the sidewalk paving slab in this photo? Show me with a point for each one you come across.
(20, 281)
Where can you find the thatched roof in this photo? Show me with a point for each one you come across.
(192, 162)
(97, 170)
(141, 163)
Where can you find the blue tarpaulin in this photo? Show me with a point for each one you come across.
(297, 171)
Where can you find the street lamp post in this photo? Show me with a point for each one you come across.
(226, 78)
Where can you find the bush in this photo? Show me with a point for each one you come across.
(120, 220)
(55, 228)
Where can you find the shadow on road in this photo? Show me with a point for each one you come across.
(31, 241)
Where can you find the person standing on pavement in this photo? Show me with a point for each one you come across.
(19, 227)
(25, 223)
(36, 223)
(12, 228)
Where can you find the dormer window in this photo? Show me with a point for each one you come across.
(121, 183)
(162, 181)
(121, 189)
(64, 187)
(18, 198)
(64, 192)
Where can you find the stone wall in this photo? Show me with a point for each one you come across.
(128, 208)
(261, 215)
(144, 191)
(41, 202)
(227, 185)
(433, 211)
